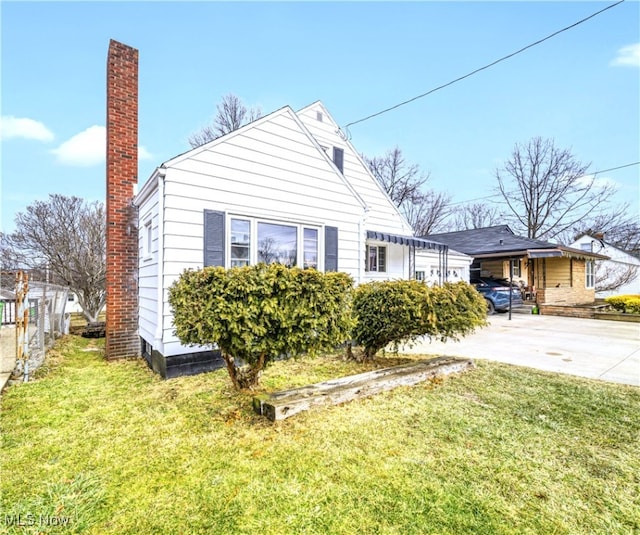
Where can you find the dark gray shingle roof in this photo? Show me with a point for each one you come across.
(501, 241)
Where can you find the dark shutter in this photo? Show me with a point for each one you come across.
(331, 248)
(213, 238)
(338, 158)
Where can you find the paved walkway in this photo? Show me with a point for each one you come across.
(597, 349)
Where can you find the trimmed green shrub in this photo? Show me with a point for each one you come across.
(459, 310)
(625, 303)
(256, 314)
(400, 311)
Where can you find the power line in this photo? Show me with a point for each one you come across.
(590, 174)
(482, 68)
(614, 168)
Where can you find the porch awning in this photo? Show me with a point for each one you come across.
(545, 254)
(405, 240)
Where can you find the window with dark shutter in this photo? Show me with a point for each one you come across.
(331, 248)
(213, 238)
(338, 158)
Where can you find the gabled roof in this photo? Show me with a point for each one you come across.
(500, 241)
(604, 245)
(347, 143)
(150, 184)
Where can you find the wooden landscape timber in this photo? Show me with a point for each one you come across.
(282, 405)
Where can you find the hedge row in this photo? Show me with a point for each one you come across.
(399, 312)
(256, 314)
(629, 304)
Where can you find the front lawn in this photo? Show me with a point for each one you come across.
(110, 448)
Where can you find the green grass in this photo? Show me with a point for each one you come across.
(115, 450)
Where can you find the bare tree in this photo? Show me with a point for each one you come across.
(425, 210)
(231, 115)
(67, 235)
(618, 227)
(476, 215)
(610, 277)
(547, 189)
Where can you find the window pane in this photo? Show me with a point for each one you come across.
(373, 258)
(277, 243)
(240, 242)
(310, 248)
(382, 259)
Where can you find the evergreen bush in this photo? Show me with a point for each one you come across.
(256, 314)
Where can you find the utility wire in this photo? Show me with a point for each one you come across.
(482, 68)
(590, 174)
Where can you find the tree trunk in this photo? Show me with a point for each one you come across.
(244, 377)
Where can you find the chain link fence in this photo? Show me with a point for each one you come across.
(33, 316)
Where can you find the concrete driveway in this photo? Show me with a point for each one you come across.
(597, 349)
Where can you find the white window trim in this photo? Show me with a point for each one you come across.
(590, 274)
(386, 258)
(147, 239)
(253, 246)
(517, 269)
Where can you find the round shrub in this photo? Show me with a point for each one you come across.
(258, 313)
(400, 311)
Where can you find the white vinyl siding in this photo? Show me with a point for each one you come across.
(148, 268)
(272, 173)
(269, 171)
(382, 215)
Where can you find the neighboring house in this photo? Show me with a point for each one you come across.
(73, 305)
(621, 266)
(287, 188)
(553, 274)
(7, 306)
(452, 267)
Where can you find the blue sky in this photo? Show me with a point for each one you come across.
(580, 88)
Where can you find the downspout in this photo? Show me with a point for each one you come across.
(158, 340)
(445, 254)
(362, 243)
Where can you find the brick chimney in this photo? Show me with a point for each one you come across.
(122, 174)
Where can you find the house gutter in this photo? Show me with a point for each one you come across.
(158, 342)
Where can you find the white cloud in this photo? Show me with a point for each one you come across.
(89, 148)
(628, 56)
(84, 149)
(23, 127)
(598, 182)
(144, 154)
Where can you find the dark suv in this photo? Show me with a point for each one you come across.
(496, 292)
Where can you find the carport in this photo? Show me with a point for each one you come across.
(552, 273)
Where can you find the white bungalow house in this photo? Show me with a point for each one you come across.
(620, 267)
(286, 187)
